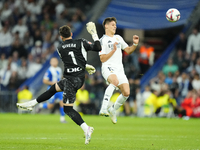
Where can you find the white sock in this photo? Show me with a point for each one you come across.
(107, 95)
(41, 105)
(84, 126)
(119, 102)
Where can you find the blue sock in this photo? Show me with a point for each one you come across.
(62, 113)
(45, 105)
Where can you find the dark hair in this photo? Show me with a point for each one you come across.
(65, 31)
(108, 20)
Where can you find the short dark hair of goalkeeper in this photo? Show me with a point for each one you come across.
(65, 31)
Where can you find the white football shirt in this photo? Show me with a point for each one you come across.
(107, 46)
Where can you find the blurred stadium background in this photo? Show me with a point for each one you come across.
(166, 84)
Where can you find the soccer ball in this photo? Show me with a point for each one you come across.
(173, 15)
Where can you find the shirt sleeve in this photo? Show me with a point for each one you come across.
(89, 46)
(47, 75)
(103, 47)
(123, 43)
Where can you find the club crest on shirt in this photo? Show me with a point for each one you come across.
(89, 42)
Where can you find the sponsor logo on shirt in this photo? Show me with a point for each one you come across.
(70, 70)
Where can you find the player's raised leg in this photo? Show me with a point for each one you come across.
(69, 96)
(112, 79)
(125, 89)
(107, 95)
(43, 97)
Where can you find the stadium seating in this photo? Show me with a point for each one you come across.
(145, 14)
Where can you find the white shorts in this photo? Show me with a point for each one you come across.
(118, 71)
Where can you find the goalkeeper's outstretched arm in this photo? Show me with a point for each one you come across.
(91, 28)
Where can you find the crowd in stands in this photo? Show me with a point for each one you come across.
(29, 35)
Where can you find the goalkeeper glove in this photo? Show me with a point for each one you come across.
(90, 69)
(91, 28)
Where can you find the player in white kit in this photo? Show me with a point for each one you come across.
(112, 67)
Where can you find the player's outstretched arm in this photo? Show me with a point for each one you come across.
(131, 49)
(91, 28)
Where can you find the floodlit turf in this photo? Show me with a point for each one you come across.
(45, 132)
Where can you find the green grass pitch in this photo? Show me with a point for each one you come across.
(45, 132)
